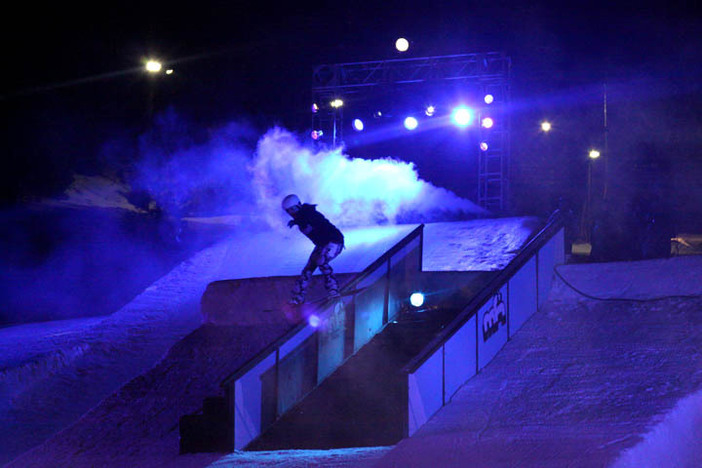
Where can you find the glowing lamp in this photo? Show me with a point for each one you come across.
(314, 321)
(430, 111)
(462, 116)
(411, 123)
(169, 71)
(546, 126)
(153, 66)
(336, 103)
(487, 122)
(402, 44)
(417, 299)
(594, 154)
(483, 146)
(358, 125)
(489, 98)
(316, 134)
(315, 108)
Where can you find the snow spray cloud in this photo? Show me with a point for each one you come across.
(188, 171)
(350, 191)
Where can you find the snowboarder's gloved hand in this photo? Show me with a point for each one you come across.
(291, 223)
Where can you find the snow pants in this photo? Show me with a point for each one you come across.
(319, 258)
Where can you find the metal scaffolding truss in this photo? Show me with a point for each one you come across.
(342, 77)
(489, 73)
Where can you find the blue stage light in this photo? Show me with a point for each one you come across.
(417, 299)
(314, 321)
(358, 125)
(462, 116)
(411, 123)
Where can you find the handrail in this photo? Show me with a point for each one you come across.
(348, 287)
(554, 223)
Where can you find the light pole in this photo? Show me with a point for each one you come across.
(592, 155)
(153, 68)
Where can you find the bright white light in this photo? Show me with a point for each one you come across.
(487, 122)
(417, 299)
(336, 103)
(314, 321)
(153, 66)
(314, 108)
(402, 44)
(546, 126)
(483, 146)
(357, 125)
(377, 114)
(169, 71)
(430, 110)
(489, 98)
(594, 154)
(411, 123)
(462, 116)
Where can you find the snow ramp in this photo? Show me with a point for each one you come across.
(370, 369)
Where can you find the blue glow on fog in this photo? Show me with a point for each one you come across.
(349, 191)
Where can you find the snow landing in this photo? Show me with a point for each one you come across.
(51, 374)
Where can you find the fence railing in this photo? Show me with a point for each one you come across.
(286, 371)
(474, 337)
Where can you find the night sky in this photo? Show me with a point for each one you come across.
(73, 78)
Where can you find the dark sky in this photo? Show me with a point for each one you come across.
(80, 65)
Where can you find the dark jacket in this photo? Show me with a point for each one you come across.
(314, 225)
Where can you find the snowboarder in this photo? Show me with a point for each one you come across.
(328, 243)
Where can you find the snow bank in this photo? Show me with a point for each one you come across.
(675, 441)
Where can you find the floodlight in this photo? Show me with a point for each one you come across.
(417, 299)
(462, 116)
(336, 103)
(489, 98)
(545, 126)
(483, 146)
(153, 66)
(487, 122)
(411, 123)
(358, 125)
(402, 44)
(594, 154)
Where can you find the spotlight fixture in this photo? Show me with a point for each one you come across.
(153, 66)
(314, 108)
(462, 116)
(402, 45)
(336, 103)
(483, 146)
(489, 98)
(430, 111)
(358, 125)
(411, 123)
(487, 122)
(594, 154)
(316, 134)
(545, 126)
(417, 299)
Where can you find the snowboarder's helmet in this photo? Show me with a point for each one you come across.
(290, 201)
